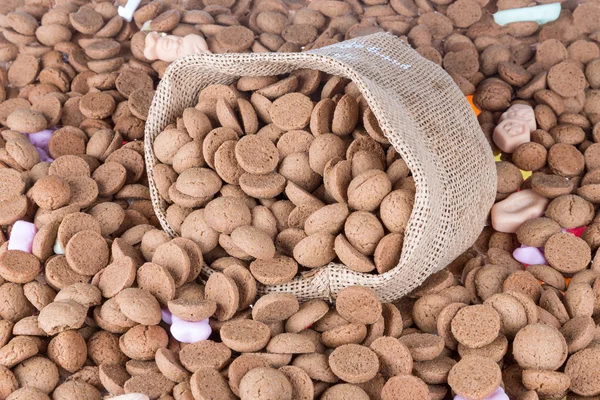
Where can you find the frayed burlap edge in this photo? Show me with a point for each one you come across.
(423, 114)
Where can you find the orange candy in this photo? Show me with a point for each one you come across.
(476, 110)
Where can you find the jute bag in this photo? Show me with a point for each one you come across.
(423, 114)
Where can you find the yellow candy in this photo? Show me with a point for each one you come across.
(526, 174)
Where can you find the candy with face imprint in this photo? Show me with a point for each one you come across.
(497, 395)
(510, 213)
(190, 332)
(170, 47)
(510, 134)
(523, 112)
(529, 255)
(21, 236)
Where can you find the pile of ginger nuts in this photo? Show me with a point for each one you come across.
(272, 177)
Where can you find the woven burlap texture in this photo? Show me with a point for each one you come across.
(423, 114)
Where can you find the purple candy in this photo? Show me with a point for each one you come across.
(44, 157)
(190, 332)
(21, 236)
(166, 316)
(529, 255)
(497, 395)
(41, 138)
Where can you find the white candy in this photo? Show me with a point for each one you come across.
(127, 11)
(131, 396)
(540, 14)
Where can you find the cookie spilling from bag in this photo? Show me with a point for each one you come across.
(285, 174)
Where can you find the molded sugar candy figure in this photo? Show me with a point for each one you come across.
(529, 255)
(127, 12)
(190, 332)
(540, 14)
(21, 236)
(511, 133)
(131, 396)
(523, 112)
(497, 395)
(510, 213)
(169, 48)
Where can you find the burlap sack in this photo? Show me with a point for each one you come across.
(423, 114)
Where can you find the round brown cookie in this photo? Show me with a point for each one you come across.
(204, 354)
(60, 316)
(297, 141)
(426, 310)
(277, 270)
(110, 216)
(523, 282)
(37, 372)
(495, 350)
(131, 160)
(256, 154)
(97, 105)
(66, 390)
(581, 368)
(405, 387)
(51, 192)
(546, 383)
(436, 371)
(341, 335)
(68, 350)
(358, 304)
(275, 307)
(537, 231)
(154, 385)
(168, 363)
(579, 299)
(475, 377)
(566, 78)
(141, 342)
(443, 322)
(208, 383)
(118, 275)
(175, 260)
(567, 253)
(540, 346)
(262, 186)
(291, 111)
(157, 280)
(551, 302)
(264, 383)
(199, 183)
(74, 223)
(11, 184)
(226, 213)
(139, 306)
(423, 346)
(140, 101)
(344, 391)
(548, 275)
(302, 385)
(570, 211)
(245, 283)
(13, 210)
(309, 313)
(245, 335)
(565, 160)
(190, 309)
(26, 121)
(394, 357)
(83, 293)
(489, 280)
(87, 252)
(354, 363)
(223, 290)
(253, 242)
(38, 295)
(226, 164)
(240, 366)
(103, 348)
(18, 266)
(578, 333)
(194, 227)
(113, 377)
(60, 275)
(291, 343)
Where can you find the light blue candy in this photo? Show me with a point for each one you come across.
(540, 14)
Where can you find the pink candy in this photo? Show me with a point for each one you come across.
(40, 140)
(510, 213)
(190, 332)
(575, 231)
(497, 395)
(21, 236)
(529, 255)
(186, 331)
